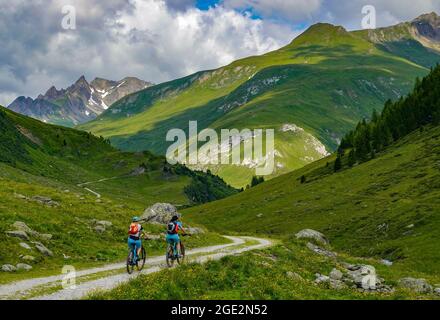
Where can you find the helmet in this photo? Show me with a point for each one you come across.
(135, 219)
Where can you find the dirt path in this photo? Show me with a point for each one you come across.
(21, 288)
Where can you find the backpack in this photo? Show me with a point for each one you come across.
(172, 227)
(134, 229)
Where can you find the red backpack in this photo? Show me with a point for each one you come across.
(134, 229)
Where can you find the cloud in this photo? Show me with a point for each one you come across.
(118, 38)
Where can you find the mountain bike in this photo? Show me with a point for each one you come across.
(173, 254)
(136, 261)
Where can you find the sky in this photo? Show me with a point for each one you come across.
(158, 40)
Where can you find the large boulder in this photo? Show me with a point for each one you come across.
(321, 251)
(416, 285)
(159, 213)
(363, 276)
(312, 234)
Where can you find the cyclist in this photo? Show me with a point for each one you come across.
(134, 236)
(173, 228)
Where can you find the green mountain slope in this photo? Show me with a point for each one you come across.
(42, 169)
(322, 83)
(384, 204)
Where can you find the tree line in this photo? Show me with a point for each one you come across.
(419, 108)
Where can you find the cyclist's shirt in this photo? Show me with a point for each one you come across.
(134, 231)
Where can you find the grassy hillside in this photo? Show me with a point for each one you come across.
(323, 83)
(41, 169)
(385, 208)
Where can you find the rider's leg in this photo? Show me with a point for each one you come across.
(138, 247)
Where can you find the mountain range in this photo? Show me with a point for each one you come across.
(81, 102)
(311, 91)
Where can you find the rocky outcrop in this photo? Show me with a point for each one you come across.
(159, 213)
(416, 285)
(81, 102)
(101, 226)
(312, 235)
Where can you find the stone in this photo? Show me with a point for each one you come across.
(294, 276)
(8, 268)
(193, 230)
(45, 200)
(154, 237)
(335, 274)
(321, 251)
(23, 267)
(18, 234)
(386, 262)
(45, 236)
(321, 278)
(437, 291)
(312, 234)
(159, 213)
(364, 276)
(21, 226)
(259, 215)
(337, 284)
(99, 228)
(42, 248)
(104, 223)
(416, 285)
(28, 258)
(25, 245)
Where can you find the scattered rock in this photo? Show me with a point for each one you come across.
(66, 256)
(320, 278)
(193, 230)
(25, 245)
(336, 274)
(138, 171)
(294, 276)
(364, 276)
(21, 226)
(437, 291)
(159, 213)
(259, 215)
(40, 247)
(20, 196)
(45, 200)
(99, 228)
(28, 258)
(18, 234)
(321, 251)
(416, 285)
(337, 284)
(312, 234)
(410, 226)
(23, 266)
(8, 268)
(104, 223)
(386, 262)
(154, 237)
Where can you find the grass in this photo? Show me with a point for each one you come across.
(257, 275)
(45, 160)
(385, 208)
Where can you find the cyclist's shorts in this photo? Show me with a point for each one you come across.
(173, 238)
(137, 243)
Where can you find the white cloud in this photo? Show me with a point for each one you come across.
(114, 39)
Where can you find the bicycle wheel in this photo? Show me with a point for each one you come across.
(130, 265)
(170, 256)
(141, 259)
(181, 255)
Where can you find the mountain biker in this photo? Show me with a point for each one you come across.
(134, 235)
(173, 228)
